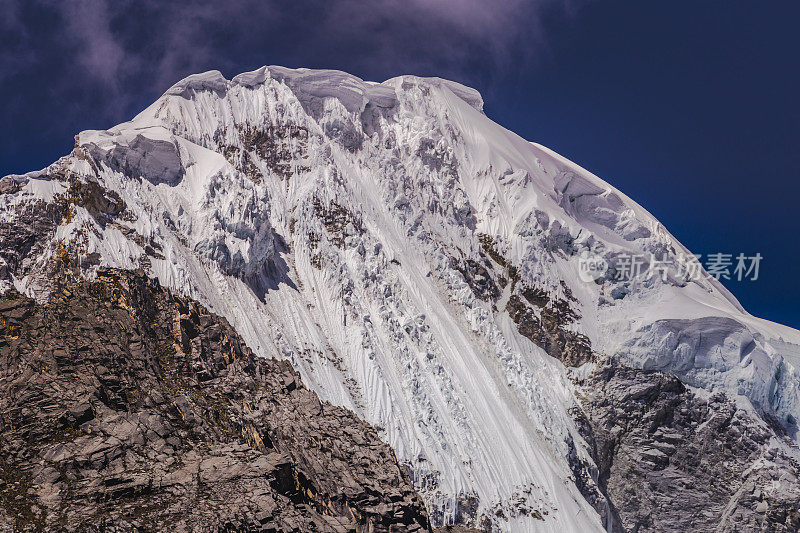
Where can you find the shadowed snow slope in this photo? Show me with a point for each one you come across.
(416, 262)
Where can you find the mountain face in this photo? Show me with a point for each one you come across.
(424, 268)
(125, 408)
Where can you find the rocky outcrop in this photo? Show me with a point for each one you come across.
(25, 237)
(123, 407)
(669, 460)
(550, 329)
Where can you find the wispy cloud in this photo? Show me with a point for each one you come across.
(98, 50)
(116, 55)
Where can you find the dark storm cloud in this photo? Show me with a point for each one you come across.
(117, 55)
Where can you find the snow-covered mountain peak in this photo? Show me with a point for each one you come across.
(417, 263)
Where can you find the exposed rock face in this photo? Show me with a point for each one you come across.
(550, 331)
(671, 461)
(25, 236)
(123, 407)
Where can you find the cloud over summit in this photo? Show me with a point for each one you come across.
(116, 56)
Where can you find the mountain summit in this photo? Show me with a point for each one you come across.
(466, 292)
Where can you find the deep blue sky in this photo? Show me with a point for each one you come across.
(689, 107)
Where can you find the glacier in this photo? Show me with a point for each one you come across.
(407, 255)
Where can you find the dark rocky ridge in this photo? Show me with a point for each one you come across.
(539, 315)
(123, 407)
(671, 461)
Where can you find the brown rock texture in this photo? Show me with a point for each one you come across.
(123, 407)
